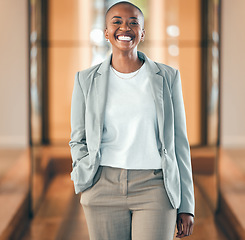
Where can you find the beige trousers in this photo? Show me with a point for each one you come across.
(128, 204)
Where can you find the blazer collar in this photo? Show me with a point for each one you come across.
(106, 64)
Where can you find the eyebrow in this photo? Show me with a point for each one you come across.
(121, 17)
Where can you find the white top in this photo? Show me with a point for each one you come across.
(130, 133)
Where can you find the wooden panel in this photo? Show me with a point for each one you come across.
(63, 20)
(63, 65)
(189, 20)
(69, 51)
(189, 62)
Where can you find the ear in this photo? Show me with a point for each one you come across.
(142, 36)
(106, 34)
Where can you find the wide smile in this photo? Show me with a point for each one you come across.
(124, 38)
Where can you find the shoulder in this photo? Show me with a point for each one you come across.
(168, 72)
(163, 69)
(87, 73)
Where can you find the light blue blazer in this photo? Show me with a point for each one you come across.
(87, 115)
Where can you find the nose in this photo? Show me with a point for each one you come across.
(124, 26)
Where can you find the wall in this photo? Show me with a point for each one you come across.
(186, 16)
(14, 73)
(233, 74)
(69, 51)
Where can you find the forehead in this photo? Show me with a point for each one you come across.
(123, 10)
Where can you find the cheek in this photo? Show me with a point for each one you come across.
(111, 33)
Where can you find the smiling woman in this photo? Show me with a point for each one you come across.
(125, 29)
(130, 152)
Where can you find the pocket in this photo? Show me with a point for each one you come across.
(96, 178)
(81, 173)
(88, 192)
(73, 174)
(157, 172)
(97, 175)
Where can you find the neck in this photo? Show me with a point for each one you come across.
(126, 62)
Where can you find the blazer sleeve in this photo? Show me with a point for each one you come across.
(77, 142)
(182, 149)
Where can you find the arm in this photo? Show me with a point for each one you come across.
(182, 149)
(185, 224)
(77, 143)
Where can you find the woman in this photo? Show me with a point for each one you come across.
(130, 153)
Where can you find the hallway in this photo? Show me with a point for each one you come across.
(46, 42)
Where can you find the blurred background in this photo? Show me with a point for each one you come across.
(44, 43)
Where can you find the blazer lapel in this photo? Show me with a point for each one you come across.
(156, 83)
(101, 83)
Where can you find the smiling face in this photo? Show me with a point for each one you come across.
(124, 27)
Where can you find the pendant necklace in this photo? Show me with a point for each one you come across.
(114, 70)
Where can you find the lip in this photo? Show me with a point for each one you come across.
(124, 35)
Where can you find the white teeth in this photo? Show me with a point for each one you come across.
(124, 38)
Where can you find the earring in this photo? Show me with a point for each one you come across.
(107, 40)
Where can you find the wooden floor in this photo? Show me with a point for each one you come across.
(8, 157)
(61, 216)
(14, 192)
(238, 157)
(232, 187)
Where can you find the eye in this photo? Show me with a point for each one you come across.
(134, 23)
(116, 22)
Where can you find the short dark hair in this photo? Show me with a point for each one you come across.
(125, 2)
